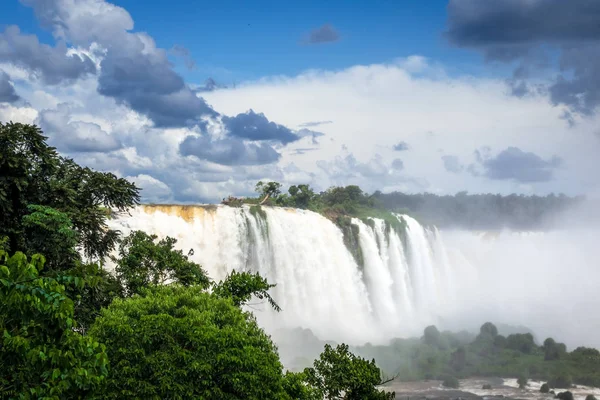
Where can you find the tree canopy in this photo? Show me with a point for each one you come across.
(41, 353)
(180, 343)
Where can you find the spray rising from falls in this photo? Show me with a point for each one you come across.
(377, 280)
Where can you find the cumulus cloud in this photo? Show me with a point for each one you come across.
(255, 126)
(516, 164)
(323, 34)
(75, 136)
(229, 151)
(164, 137)
(7, 90)
(50, 64)
(153, 190)
(452, 164)
(133, 70)
(401, 146)
(528, 32)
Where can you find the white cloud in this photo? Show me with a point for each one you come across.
(377, 106)
(372, 108)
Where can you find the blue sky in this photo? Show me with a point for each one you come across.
(485, 96)
(232, 41)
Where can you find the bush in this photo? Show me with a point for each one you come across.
(487, 386)
(565, 396)
(545, 388)
(561, 381)
(451, 382)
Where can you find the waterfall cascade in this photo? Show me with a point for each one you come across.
(320, 286)
(403, 281)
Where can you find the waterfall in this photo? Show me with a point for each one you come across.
(402, 280)
(319, 284)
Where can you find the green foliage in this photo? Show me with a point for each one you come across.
(522, 342)
(522, 381)
(463, 355)
(561, 380)
(545, 388)
(241, 286)
(268, 190)
(180, 343)
(303, 197)
(50, 232)
(32, 173)
(338, 372)
(143, 262)
(488, 329)
(41, 353)
(553, 350)
(432, 336)
(296, 388)
(451, 382)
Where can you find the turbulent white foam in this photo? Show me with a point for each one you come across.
(405, 283)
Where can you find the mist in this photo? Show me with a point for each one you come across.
(456, 279)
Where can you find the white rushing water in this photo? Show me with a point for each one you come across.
(404, 282)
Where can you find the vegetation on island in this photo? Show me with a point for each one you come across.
(442, 355)
(156, 327)
(338, 204)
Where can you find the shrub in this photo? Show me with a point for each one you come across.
(450, 382)
(545, 388)
(561, 381)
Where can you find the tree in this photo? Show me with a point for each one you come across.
(458, 359)
(143, 261)
(302, 196)
(268, 190)
(488, 329)
(561, 380)
(32, 173)
(241, 286)
(338, 373)
(522, 342)
(295, 387)
(41, 353)
(553, 350)
(431, 336)
(50, 232)
(181, 342)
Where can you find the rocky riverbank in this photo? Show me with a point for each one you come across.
(471, 389)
